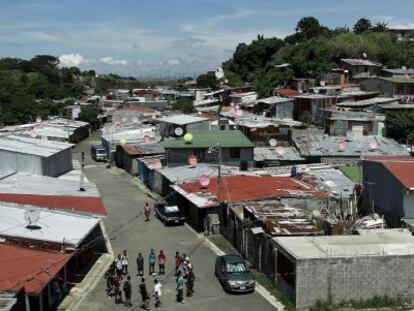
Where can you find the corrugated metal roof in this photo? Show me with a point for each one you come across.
(56, 226)
(143, 149)
(245, 188)
(39, 147)
(182, 119)
(345, 246)
(274, 100)
(28, 268)
(188, 173)
(402, 170)
(360, 62)
(310, 143)
(286, 92)
(269, 153)
(367, 102)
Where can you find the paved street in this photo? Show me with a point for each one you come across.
(126, 228)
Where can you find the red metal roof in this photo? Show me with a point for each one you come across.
(244, 188)
(93, 205)
(28, 268)
(286, 92)
(402, 170)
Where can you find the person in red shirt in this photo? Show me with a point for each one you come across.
(177, 261)
(161, 263)
(116, 281)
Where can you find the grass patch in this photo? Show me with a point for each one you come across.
(353, 172)
(261, 278)
(376, 302)
(222, 243)
(267, 283)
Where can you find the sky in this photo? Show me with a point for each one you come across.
(167, 38)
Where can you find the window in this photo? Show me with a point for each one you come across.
(235, 153)
(199, 153)
(236, 267)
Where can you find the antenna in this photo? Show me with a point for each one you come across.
(31, 216)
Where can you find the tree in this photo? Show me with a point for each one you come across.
(380, 27)
(399, 125)
(362, 25)
(90, 114)
(207, 80)
(184, 105)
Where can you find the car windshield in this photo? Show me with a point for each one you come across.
(101, 151)
(236, 267)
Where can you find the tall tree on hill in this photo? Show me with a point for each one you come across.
(207, 80)
(362, 25)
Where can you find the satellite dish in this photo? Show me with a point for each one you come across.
(178, 131)
(32, 134)
(147, 139)
(316, 214)
(124, 119)
(272, 142)
(364, 55)
(118, 126)
(239, 112)
(232, 104)
(204, 181)
(31, 216)
(38, 120)
(341, 145)
(280, 151)
(219, 73)
(135, 120)
(373, 144)
(322, 82)
(316, 91)
(404, 67)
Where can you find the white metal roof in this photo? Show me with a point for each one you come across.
(378, 244)
(182, 119)
(21, 183)
(359, 62)
(56, 226)
(39, 147)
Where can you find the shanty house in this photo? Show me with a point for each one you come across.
(340, 269)
(399, 87)
(389, 187)
(360, 68)
(34, 156)
(229, 147)
(179, 125)
(276, 107)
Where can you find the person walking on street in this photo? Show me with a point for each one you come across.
(144, 294)
(151, 259)
(124, 261)
(108, 278)
(157, 293)
(177, 262)
(119, 268)
(127, 291)
(140, 265)
(147, 212)
(180, 287)
(117, 288)
(189, 282)
(161, 263)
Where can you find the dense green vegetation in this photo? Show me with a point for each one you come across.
(312, 50)
(36, 87)
(183, 105)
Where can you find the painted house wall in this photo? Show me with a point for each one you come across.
(383, 190)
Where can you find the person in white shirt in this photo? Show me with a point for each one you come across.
(118, 266)
(157, 293)
(124, 262)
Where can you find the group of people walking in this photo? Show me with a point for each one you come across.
(118, 272)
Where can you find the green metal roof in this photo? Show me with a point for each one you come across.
(226, 139)
(397, 80)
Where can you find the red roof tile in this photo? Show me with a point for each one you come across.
(402, 170)
(244, 188)
(93, 205)
(286, 92)
(28, 268)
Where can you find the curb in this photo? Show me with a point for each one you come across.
(79, 292)
(259, 288)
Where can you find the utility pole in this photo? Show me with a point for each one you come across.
(82, 175)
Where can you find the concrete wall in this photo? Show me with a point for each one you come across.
(176, 157)
(167, 129)
(384, 191)
(361, 278)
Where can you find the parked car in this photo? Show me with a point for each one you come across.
(233, 274)
(99, 153)
(169, 214)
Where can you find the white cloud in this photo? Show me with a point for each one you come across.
(113, 62)
(174, 62)
(69, 60)
(49, 36)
